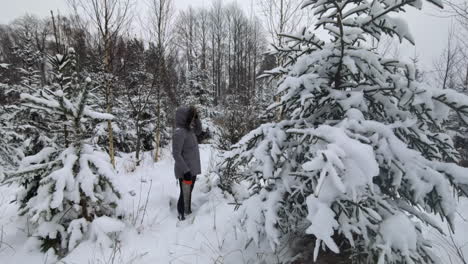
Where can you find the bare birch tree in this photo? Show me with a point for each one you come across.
(281, 16)
(161, 14)
(458, 9)
(110, 18)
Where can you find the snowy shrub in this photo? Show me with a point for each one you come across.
(124, 134)
(234, 122)
(360, 159)
(68, 184)
(136, 113)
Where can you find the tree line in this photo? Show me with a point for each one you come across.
(209, 57)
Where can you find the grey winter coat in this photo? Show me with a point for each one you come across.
(185, 145)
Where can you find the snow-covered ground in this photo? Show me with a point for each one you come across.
(153, 234)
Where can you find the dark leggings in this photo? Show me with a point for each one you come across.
(180, 203)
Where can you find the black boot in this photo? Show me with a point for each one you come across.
(181, 202)
(188, 208)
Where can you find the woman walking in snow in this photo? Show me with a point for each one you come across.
(186, 155)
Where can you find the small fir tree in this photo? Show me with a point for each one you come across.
(69, 184)
(31, 58)
(359, 158)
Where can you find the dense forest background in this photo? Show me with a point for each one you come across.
(146, 62)
(207, 57)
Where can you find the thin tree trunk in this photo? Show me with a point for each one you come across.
(138, 145)
(157, 137)
(158, 133)
(107, 63)
(447, 68)
(466, 79)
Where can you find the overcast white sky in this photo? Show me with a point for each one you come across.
(430, 32)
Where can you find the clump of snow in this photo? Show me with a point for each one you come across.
(398, 233)
(77, 229)
(323, 225)
(41, 156)
(103, 228)
(59, 93)
(40, 101)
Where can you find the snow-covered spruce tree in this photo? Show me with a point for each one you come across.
(7, 151)
(197, 89)
(19, 137)
(9, 141)
(235, 118)
(68, 186)
(23, 126)
(359, 159)
(31, 58)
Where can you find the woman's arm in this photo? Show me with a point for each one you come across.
(177, 146)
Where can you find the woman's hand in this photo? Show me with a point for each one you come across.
(188, 176)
